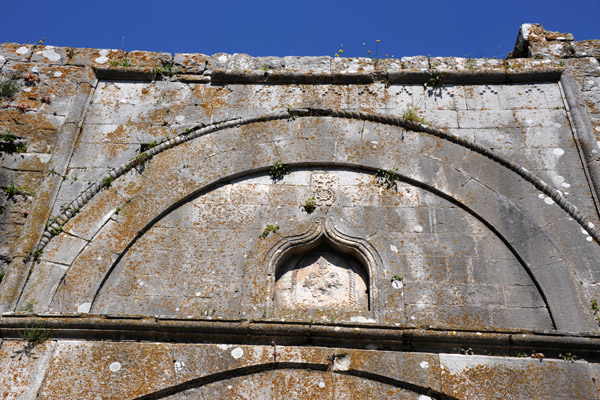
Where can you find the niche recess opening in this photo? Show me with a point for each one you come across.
(322, 275)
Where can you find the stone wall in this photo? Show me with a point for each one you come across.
(225, 226)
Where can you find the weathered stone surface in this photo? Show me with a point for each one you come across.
(23, 371)
(451, 196)
(191, 63)
(514, 378)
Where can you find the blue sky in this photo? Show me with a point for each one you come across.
(284, 27)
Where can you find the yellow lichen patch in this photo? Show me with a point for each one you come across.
(530, 379)
(82, 279)
(18, 367)
(122, 370)
(147, 58)
(94, 215)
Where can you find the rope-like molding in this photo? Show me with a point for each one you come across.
(57, 222)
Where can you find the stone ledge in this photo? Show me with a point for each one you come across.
(221, 76)
(257, 332)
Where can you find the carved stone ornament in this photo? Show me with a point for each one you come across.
(323, 278)
(324, 187)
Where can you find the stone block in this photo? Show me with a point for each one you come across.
(191, 63)
(22, 374)
(482, 97)
(103, 155)
(63, 249)
(15, 52)
(402, 97)
(317, 64)
(44, 281)
(448, 97)
(349, 65)
(100, 57)
(148, 58)
(77, 289)
(451, 317)
(486, 119)
(244, 62)
(525, 96)
(219, 60)
(133, 369)
(514, 378)
(502, 271)
(49, 55)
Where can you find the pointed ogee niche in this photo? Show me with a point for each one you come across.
(322, 278)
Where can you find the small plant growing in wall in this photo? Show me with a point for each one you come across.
(27, 308)
(147, 146)
(8, 87)
(12, 190)
(375, 58)
(278, 171)
(410, 114)
(120, 62)
(435, 80)
(293, 113)
(106, 182)
(387, 178)
(568, 357)
(596, 309)
(35, 333)
(268, 230)
(57, 230)
(310, 205)
(569, 49)
(10, 143)
(142, 158)
(37, 254)
(466, 351)
(167, 69)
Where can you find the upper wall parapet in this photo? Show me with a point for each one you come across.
(534, 49)
(233, 68)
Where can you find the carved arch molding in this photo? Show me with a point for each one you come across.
(73, 293)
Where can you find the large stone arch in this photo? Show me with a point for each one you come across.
(453, 171)
(307, 380)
